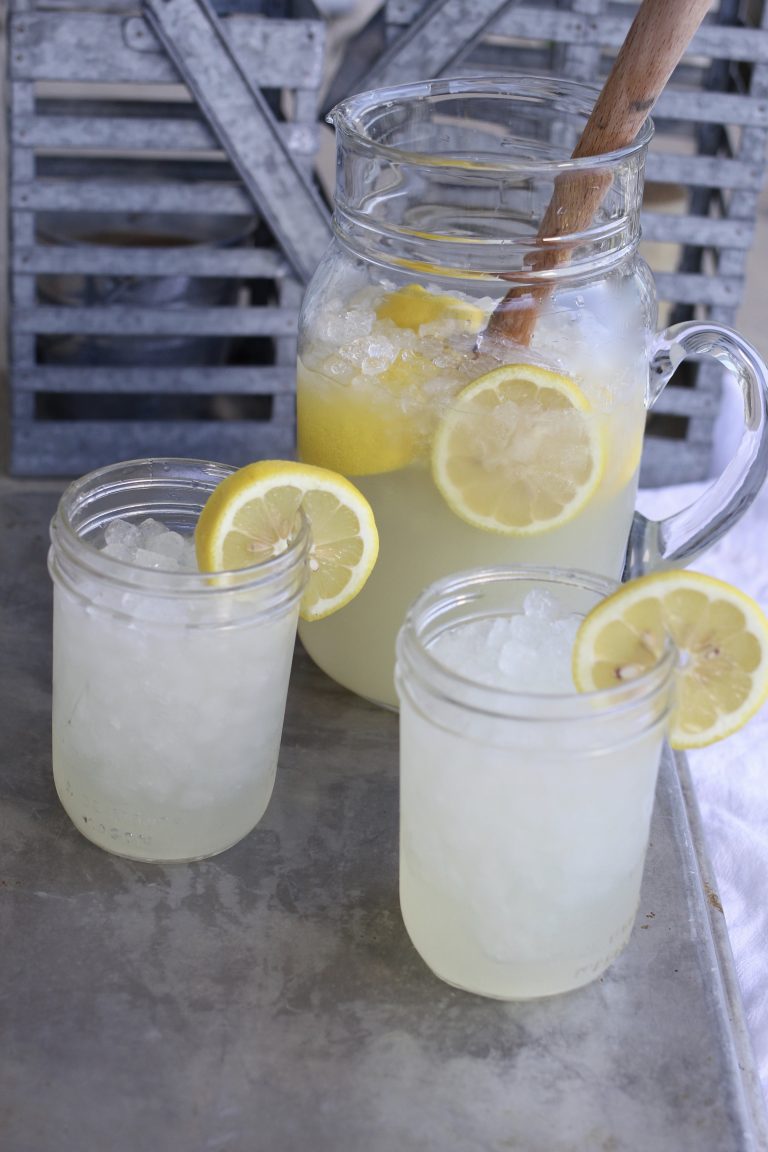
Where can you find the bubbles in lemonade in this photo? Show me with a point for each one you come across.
(387, 395)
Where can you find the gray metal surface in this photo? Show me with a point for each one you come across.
(195, 40)
(142, 145)
(269, 999)
(441, 34)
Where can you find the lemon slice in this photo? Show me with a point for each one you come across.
(413, 306)
(518, 452)
(253, 513)
(721, 636)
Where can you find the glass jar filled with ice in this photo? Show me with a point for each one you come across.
(478, 438)
(525, 806)
(169, 685)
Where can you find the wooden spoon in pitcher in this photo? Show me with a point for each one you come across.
(657, 39)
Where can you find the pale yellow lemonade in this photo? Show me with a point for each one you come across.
(177, 587)
(167, 714)
(382, 373)
(524, 819)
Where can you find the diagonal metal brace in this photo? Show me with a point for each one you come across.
(443, 32)
(238, 114)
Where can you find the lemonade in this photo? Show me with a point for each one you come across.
(524, 807)
(479, 345)
(169, 686)
(177, 587)
(388, 394)
(166, 730)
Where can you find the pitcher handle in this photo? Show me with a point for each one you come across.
(677, 540)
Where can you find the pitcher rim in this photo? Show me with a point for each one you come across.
(346, 116)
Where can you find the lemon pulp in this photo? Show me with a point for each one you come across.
(518, 452)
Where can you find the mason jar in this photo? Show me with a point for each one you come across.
(525, 807)
(169, 685)
(478, 351)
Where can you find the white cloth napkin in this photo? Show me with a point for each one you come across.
(731, 778)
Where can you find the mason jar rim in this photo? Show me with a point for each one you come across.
(467, 694)
(348, 115)
(71, 545)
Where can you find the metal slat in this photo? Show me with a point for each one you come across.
(690, 288)
(678, 401)
(715, 41)
(71, 448)
(127, 321)
(95, 132)
(129, 134)
(22, 347)
(22, 96)
(678, 106)
(743, 204)
(258, 380)
(712, 107)
(107, 49)
(667, 461)
(568, 27)
(184, 261)
(581, 61)
(124, 196)
(242, 120)
(703, 171)
(440, 32)
(497, 55)
(697, 230)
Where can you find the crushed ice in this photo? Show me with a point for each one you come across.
(526, 652)
(149, 544)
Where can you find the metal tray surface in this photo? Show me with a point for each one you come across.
(269, 999)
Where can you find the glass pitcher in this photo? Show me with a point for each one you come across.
(479, 359)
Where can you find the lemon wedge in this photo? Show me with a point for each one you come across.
(721, 636)
(253, 513)
(518, 452)
(413, 306)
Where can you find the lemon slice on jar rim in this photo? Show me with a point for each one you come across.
(252, 514)
(721, 637)
(519, 452)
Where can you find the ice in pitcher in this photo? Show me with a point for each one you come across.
(388, 394)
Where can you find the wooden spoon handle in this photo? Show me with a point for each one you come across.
(657, 39)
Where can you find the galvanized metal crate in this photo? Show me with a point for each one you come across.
(705, 168)
(152, 310)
